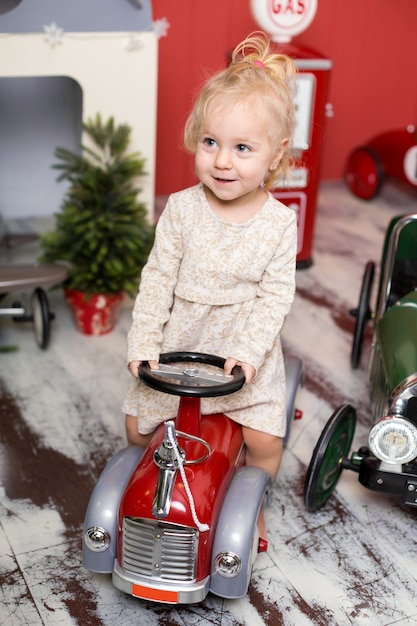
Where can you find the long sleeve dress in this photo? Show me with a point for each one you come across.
(221, 288)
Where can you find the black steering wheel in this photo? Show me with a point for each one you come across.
(185, 378)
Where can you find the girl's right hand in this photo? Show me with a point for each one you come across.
(134, 368)
(135, 365)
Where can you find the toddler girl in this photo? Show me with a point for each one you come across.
(220, 278)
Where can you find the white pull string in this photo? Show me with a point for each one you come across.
(201, 527)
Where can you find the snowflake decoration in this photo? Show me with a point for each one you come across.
(53, 34)
(161, 27)
(134, 43)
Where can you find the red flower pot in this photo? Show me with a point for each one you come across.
(96, 314)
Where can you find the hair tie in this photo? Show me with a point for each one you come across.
(259, 63)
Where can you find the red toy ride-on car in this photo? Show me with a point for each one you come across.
(178, 519)
(390, 154)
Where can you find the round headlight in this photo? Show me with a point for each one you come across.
(97, 538)
(393, 440)
(228, 564)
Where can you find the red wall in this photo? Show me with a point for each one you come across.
(373, 84)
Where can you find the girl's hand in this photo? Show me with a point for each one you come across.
(248, 369)
(134, 368)
(135, 365)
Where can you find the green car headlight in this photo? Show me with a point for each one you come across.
(393, 440)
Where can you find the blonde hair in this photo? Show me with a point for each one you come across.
(254, 70)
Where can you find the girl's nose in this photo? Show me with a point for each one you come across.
(223, 159)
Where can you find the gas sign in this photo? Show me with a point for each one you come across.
(283, 19)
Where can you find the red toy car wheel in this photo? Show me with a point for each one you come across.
(364, 173)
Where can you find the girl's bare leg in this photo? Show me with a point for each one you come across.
(264, 451)
(133, 437)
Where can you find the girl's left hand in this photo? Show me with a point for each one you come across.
(248, 369)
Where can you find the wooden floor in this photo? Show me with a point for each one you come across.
(352, 563)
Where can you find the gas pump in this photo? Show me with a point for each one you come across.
(283, 20)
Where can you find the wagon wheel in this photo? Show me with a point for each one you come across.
(41, 317)
(362, 314)
(364, 172)
(326, 463)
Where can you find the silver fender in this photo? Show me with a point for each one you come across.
(103, 506)
(294, 378)
(236, 529)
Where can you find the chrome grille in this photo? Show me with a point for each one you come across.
(155, 549)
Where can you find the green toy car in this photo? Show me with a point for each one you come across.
(388, 463)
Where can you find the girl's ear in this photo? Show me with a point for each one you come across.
(278, 154)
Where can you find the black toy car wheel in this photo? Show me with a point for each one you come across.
(41, 317)
(362, 314)
(326, 463)
(178, 376)
(364, 173)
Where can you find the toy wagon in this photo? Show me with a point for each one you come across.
(388, 461)
(178, 519)
(34, 277)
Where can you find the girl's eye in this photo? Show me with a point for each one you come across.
(208, 141)
(242, 148)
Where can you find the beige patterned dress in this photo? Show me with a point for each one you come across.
(221, 288)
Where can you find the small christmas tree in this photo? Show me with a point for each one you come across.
(102, 231)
